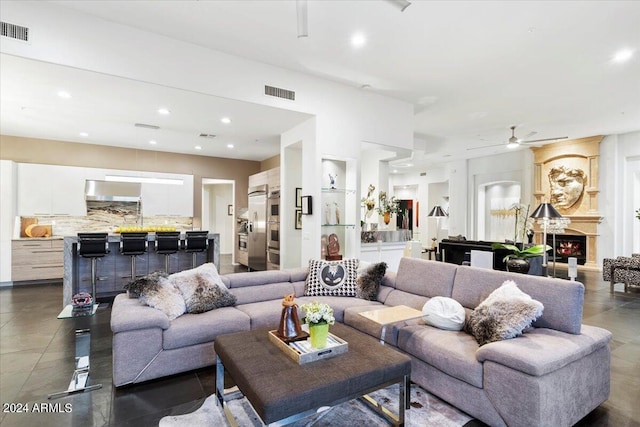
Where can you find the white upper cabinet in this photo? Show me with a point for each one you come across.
(50, 190)
(59, 190)
(161, 199)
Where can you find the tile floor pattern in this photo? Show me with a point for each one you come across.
(37, 351)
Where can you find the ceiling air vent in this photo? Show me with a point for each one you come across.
(279, 93)
(207, 135)
(14, 31)
(146, 126)
(423, 174)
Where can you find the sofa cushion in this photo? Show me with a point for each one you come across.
(452, 352)
(369, 279)
(505, 314)
(444, 313)
(240, 280)
(562, 299)
(192, 329)
(425, 278)
(259, 293)
(332, 278)
(338, 304)
(266, 314)
(542, 350)
(396, 297)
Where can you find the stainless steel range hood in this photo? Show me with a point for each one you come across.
(112, 191)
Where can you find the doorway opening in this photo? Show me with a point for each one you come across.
(218, 212)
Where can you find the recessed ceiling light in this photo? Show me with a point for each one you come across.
(153, 142)
(358, 40)
(197, 147)
(64, 94)
(225, 120)
(84, 134)
(229, 145)
(395, 171)
(623, 55)
(164, 111)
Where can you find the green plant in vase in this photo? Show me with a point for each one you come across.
(518, 260)
(319, 316)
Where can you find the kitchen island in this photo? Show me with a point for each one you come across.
(114, 269)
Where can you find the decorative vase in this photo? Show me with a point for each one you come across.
(318, 333)
(518, 265)
(387, 217)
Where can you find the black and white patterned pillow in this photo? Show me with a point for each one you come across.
(332, 278)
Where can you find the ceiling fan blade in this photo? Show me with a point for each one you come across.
(485, 146)
(542, 140)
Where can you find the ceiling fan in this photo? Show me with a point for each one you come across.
(514, 142)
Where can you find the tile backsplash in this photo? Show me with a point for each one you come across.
(107, 216)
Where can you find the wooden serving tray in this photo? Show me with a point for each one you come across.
(302, 352)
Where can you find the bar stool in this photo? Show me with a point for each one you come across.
(167, 243)
(133, 244)
(93, 246)
(194, 242)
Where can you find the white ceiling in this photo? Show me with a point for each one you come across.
(471, 68)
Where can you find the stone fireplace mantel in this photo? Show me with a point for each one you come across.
(583, 154)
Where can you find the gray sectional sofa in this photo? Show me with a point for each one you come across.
(553, 375)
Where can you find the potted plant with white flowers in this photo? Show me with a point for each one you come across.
(319, 316)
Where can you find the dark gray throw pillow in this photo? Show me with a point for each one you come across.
(368, 283)
(149, 282)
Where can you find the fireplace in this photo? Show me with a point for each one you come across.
(568, 245)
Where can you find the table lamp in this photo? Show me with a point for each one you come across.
(437, 212)
(543, 213)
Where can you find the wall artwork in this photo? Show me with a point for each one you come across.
(566, 186)
(306, 205)
(298, 219)
(298, 197)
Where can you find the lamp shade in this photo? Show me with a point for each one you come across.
(546, 210)
(437, 212)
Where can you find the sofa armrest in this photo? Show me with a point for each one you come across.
(128, 314)
(544, 350)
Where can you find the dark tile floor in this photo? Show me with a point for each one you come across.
(37, 351)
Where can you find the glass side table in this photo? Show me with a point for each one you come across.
(80, 379)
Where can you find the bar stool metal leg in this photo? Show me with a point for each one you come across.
(94, 278)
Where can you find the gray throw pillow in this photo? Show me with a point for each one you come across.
(505, 314)
(369, 280)
(136, 287)
(202, 289)
(164, 297)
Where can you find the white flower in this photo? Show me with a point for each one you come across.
(316, 312)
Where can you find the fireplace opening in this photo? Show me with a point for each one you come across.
(568, 245)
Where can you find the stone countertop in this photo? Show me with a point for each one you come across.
(387, 236)
(22, 239)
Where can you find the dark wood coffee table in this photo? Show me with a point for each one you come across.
(281, 391)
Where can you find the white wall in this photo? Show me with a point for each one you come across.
(514, 166)
(8, 203)
(619, 170)
(217, 195)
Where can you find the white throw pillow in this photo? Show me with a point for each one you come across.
(444, 313)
